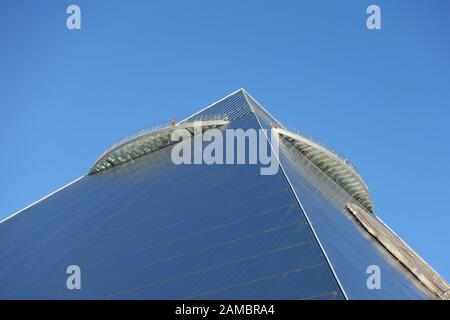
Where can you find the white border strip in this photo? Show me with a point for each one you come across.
(42, 199)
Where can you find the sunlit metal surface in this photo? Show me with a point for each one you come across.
(150, 229)
(349, 247)
(402, 252)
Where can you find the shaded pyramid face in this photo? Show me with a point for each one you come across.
(141, 227)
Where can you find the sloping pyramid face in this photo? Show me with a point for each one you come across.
(151, 229)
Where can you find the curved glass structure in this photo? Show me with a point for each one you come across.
(339, 170)
(145, 143)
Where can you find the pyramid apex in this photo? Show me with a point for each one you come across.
(243, 90)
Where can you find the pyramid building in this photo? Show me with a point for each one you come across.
(139, 226)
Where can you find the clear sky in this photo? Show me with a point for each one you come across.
(380, 98)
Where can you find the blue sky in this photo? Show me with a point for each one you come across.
(381, 98)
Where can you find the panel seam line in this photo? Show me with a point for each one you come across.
(303, 209)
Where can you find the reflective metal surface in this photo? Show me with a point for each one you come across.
(149, 229)
(350, 249)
